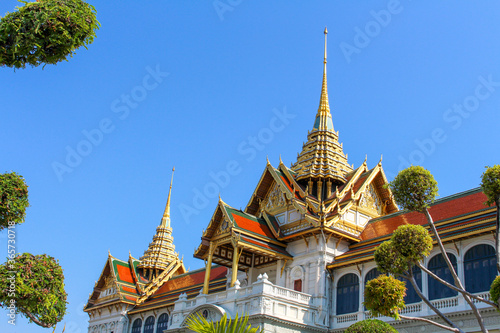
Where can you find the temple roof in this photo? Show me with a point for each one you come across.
(456, 217)
(190, 283)
(123, 280)
(161, 251)
(322, 155)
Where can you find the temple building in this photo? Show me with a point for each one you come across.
(296, 259)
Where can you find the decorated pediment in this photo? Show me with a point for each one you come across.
(275, 200)
(370, 200)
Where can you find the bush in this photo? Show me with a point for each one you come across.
(384, 296)
(45, 32)
(13, 199)
(371, 326)
(35, 284)
(490, 184)
(495, 290)
(414, 188)
(413, 242)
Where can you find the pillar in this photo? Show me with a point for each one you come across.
(235, 266)
(207, 269)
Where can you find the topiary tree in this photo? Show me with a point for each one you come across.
(490, 184)
(384, 296)
(46, 32)
(34, 284)
(495, 290)
(370, 326)
(415, 189)
(13, 199)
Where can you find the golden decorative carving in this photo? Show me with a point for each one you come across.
(370, 200)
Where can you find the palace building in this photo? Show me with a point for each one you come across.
(296, 259)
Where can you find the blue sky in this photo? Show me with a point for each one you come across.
(214, 87)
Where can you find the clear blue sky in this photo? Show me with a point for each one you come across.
(419, 86)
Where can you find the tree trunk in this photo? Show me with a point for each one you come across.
(458, 283)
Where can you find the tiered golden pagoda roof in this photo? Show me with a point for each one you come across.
(161, 251)
(322, 156)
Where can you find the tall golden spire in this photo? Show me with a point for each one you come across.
(165, 221)
(322, 159)
(160, 252)
(323, 119)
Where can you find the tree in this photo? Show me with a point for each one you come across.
(415, 189)
(36, 284)
(370, 326)
(13, 199)
(32, 285)
(490, 184)
(240, 324)
(46, 32)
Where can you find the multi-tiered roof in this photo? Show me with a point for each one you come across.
(322, 162)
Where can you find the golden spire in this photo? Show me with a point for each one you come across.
(322, 157)
(160, 252)
(165, 221)
(323, 120)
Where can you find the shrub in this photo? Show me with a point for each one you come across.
(36, 284)
(495, 290)
(384, 296)
(13, 199)
(414, 188)
(371, 326)
(412, 242)
(490, 184)
(45, 32)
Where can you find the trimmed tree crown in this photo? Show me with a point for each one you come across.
(45, 32)
(490, 184)
(13, 199)
(414, 188)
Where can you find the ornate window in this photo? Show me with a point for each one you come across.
(136, 326)
(297, 285)
(162, 323)
(149, 325)
(372, 274)
(411, 293)
(438, 266)
(297, 275)
(348, 294)
(479, 268)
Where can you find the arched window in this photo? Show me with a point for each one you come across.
(479, 268)
(136, 326)
(149, 325)
(411, 294)
(348, 294)
(162, 323)
(438, 266)
(372, 274)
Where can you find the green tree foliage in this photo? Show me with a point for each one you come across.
(414, 188)
(490, 184)
(46, 32)
(36, 283)
(225, 325)
(412, 242)
(384, 296)
(370, 326)
(13, 199)
(409, 244)
(495, 290)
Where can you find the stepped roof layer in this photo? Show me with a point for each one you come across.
(161, 251)
(190, 283)
(458, 216)
(123, 277)
(322, 155)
